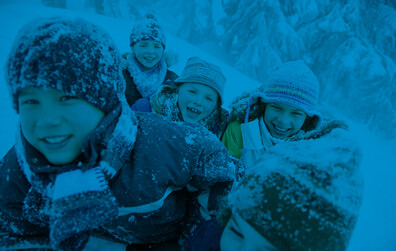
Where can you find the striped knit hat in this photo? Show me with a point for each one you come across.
(293, 83)
(147, 29)
(202, 72)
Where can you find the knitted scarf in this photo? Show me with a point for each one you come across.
(73, 199)
(147, 81)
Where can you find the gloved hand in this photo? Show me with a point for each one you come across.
(82, 201)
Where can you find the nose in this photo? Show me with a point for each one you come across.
(150, 49)
(49, 117)
(199, 100)
(283, 119)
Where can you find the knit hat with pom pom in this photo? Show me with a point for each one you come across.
(147, 29)
(69, 55)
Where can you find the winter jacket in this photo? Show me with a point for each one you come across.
(131, 92)
(168, 164)
(316, 185)
(164, 102)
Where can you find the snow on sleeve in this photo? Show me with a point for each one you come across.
(214, 162)
(328, 165)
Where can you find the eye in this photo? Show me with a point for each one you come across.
(210, 99)
(67, 98)
(192, 91)
(275, 107)
(298, 114)
(29, 102)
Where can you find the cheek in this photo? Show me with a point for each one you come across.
(298, 122)
(27, 123)
(89, 121)
(267, 116)
(210, 107)
(160, 52)
(183, 98)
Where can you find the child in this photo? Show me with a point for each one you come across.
(196, 97)
(283, 108)
(84, 163)
(146, 69)
(300, 195)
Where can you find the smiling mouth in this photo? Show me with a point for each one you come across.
(193, 110)
(280, 130)
(150, 59)
(55, 140)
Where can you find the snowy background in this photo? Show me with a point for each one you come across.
(350, 45)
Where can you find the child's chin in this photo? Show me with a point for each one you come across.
(60, 159)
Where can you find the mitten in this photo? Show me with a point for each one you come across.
(82, 201)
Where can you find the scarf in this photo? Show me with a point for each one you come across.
(147, 81)
(87, 203)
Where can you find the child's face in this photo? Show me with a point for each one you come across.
(282, 120)
(148, 52)
(56, 124)
(196, 101)
(240, 235)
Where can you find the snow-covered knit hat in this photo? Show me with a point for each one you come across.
(147, 29)
(202, 72)
(300, 205)
(293, 83)
(69, 55)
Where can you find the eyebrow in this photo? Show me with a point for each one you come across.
(24, 93)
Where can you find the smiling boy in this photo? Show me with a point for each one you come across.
(56, 124)
(84, 164)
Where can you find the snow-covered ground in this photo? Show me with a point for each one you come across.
(375, 229)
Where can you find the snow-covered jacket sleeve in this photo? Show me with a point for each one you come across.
(215, 170)
(214, 163)
(15, 230)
